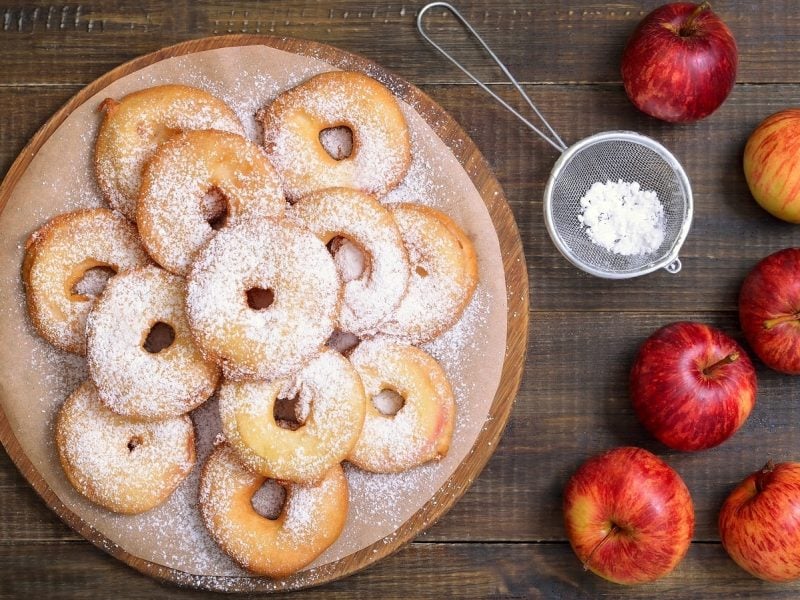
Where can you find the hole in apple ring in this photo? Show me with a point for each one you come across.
(269, 500)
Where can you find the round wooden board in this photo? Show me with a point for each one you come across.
(517, 319)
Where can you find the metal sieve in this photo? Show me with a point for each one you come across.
(607, 156)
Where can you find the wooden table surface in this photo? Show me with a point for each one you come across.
(505, 538)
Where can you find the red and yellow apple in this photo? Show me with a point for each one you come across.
(772, 164)
(692, 386)
(769, 310)
(760, 523)
(629, 516)
(680, 62)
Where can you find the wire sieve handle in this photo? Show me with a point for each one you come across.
(554, 141)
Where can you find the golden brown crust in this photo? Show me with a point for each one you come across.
(292, 123)
(125, 466)
(133, 128)
(59, 254)
(422, 429)
(312, 518)
(108, 106)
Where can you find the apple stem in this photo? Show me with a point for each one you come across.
(687, 29)
(732, 357)
(614, 529)
(769, 324)
(766, 470)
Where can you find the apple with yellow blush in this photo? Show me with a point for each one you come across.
(772, 164)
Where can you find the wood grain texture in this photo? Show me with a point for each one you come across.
(517, 319)
(541, 41)
(504, 538)
(463, 571)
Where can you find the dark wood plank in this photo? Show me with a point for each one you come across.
(574, 403)
(541, 41)
(425, 571)
(23, 109)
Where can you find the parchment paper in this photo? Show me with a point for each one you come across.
(35, 378)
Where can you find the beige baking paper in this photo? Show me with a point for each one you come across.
(35, 378)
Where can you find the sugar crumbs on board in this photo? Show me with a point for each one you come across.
(622, 217)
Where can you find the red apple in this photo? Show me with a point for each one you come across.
(772, 164)
(629, 516)
(769, 310)
(760, 523)
(692, 386)
(680, 62)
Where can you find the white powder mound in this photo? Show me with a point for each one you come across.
(623, 218)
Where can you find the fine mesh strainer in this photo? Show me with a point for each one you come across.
(607, 156)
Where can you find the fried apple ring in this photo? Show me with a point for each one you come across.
(136, 375)
(263, 297)
(293, 122)
(311, 519)
(59, 255)
(422, 428)
(170, 214)
(133, 127)
(332, 403)
(124, 465)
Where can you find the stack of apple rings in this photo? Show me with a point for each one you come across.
(304, 319)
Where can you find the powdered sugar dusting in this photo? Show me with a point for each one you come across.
(175, 530)
(421, 430)
(133, 129)
(361, 219)
(250, 90)
(292, 124)
(332, 396)
(349, 259)
(463, 339)
(171, 217)
(125, 465)
(623, 218)
(131, 380)
(442, 275)
(337, 141)
(386, 493)
(271, 255)
(424, 183)
(93, 282)
(343, 342)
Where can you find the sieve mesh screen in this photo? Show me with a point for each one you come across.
(614, 156)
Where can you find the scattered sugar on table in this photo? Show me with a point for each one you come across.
(622, 217)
